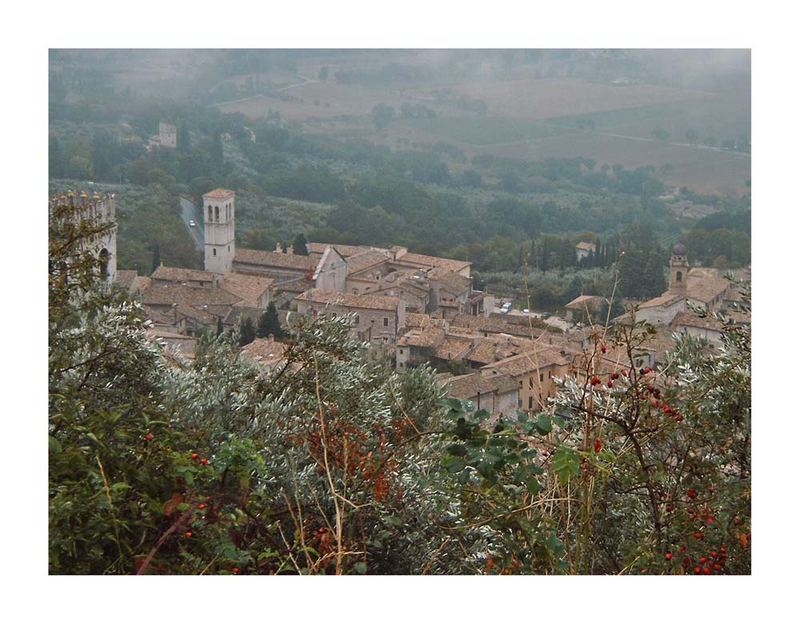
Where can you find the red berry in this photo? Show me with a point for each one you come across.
(610, 383)
(204, 461)
(595, 380)
(614, 375)
(710, 519)
(195, 456)
(201, 506)
(648, 370)
(703, 559)
(603, 348)
(691, 493)
(235, 570)
(713, 554)
(598, 445)
(148, 436)
(668, 556)
(697, 570)
(717, 567)
(698, 535)
(706, 570)
(188, 534)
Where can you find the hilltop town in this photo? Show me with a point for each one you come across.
(410, 309)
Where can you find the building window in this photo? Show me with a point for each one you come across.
(541, 376)
(216, 213)
(401, 352)
(214, 251)
(209, 213)
(679, 276)
(530, 402)
(385, 322)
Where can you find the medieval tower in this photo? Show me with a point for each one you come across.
(678, 269)
(97, 212)
(219, 218)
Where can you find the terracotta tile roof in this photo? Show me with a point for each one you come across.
(125, 278)
(667, 299)
(433, 261)
(344, 250)
(495, 325)
(219, 193)
(350, 300)
(468, 386)
(294, 285)
(180, 274)
(140, 283)
(690, 319)
(205, 317)
(585, 246)
(194, 297)
(450, 281)
(274, 259)
(268, 353)
(453, 347)
(417, 320)
(365, 260)
(429, 336)
(706, 287)
(499, 347)
(529, 361)
(589, 301)
(249, 288)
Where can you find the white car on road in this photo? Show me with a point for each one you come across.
(192, 223)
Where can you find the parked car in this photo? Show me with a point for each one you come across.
(192, 223)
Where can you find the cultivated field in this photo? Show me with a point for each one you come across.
(531, 117)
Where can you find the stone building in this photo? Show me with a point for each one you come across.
(167, 134)
(702, 287)
(497, 394)
(219, 217)
(534, 372)
(99, 212)
(584, 249)
(377, 319)
(584, 308)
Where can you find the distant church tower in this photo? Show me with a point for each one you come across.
(678, 268)
(220, 227)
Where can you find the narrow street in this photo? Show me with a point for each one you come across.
(189, 212)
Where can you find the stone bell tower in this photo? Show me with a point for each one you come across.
(220, 228)
(678, 269)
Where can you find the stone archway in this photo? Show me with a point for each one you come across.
(104, 258)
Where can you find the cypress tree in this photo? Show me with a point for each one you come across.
(299, 247)
(247, 332)
(156, 257)
(269, 323)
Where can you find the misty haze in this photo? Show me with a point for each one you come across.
(399, 311)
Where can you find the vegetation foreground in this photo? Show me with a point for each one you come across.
(335, 464)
